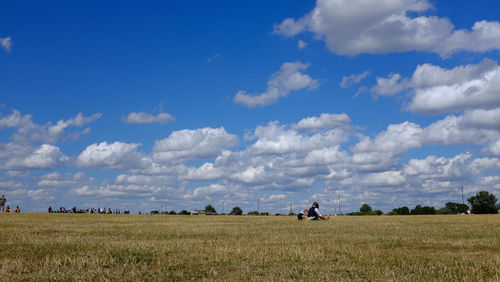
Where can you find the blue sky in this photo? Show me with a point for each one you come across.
(176, 105)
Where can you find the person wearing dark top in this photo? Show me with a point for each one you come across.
(314, 213)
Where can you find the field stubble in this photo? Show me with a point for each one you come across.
(159, 247)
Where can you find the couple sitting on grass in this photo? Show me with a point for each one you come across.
(312, 214)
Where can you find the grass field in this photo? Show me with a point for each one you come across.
(159, 247)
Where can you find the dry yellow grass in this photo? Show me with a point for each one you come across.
(158, 247)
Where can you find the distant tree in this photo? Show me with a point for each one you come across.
(379, 212)
(445, 211)
(236, 211)
(457, 207)
(210, 209)
(172, 213)
(483, 202)
(417, 210)
(393, 212)
(429, 210)
(253, 213)
(403, 211)
(264, 213)
(365, 208)
(154, 212)
(184, 212)
(423, 210)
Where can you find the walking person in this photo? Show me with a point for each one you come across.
(2, 203)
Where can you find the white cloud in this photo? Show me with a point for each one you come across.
(205, 172)
(276, 139)
(389, 86)
(6, 43)
(288, 78)
(436, 90)
(397, 139)
(352, 27)
(353, 79)
(301, 45)
(493, 149)
(116, 155)
(474, 89)
(57, 180)
(323, 121)
(15, 120)
(452, 130)
(489, 119)
(28, 131)
(17, 173)
(20, 157)
(326, 156)
(386, 178)
(484, 36)
(440, 168)
(142, 117)
(193, 144)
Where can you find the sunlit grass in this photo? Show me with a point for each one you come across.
(159, 247)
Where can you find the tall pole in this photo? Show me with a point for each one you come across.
(258, 205)
(339, 203)
(463, 195)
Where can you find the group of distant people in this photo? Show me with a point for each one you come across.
(91, 210)
(4, 208)
(312, 213)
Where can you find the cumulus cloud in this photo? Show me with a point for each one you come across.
(480, 118)
(386, 178)
(28, 131)
(57, 180)
(352, 27)
(390, 86)
(440, 168)
(142, 117)
(6, 43)
(323, 121)
(116, 155)
(493, 148)
(205, 172)
(281, 160)
(484, 36)
(15, 120)
(193, 144)
(18, 157)
(452, 130)
(276, 139)
(353, 79)
(396, 139)
(287, 79)
(436, 90)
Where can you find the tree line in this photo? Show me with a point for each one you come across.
(481, 203)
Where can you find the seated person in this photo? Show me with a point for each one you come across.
(17, 209)
(302, 215)
(7, 209)
(315, 214)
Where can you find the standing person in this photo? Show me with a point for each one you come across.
(314, 213)
(2, 203)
